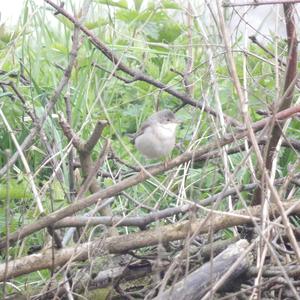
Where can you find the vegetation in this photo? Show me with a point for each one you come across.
(77, 79)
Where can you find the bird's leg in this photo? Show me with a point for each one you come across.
(167, 160)
(143, 166)
(142, 171)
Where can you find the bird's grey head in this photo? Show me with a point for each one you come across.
(164, 117)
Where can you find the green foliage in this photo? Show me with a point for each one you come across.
(170, 4)
(157, 25)
(15, 189)
(150, 36)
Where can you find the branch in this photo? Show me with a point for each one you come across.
(88, 166)
(140, 221)
(143, 221)
(255, 41)
(16, 75)
(127, 81)
(196, 284)
(95, 136)
(246, 117)
(93, 170)
(124, 243)
(70, 134)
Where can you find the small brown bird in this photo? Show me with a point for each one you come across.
(156, 137)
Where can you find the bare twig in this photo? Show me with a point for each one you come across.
(95, 136)
(89, 168)
(114, 74)
(71, 153)
(140, 221)
(247, 120)
(93, 172)
(25, 163)
(255, 41)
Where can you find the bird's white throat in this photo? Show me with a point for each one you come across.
(165, 131)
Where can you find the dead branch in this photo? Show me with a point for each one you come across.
(124, 243)
(143, 221)
(134, 270)
(88, 166)
(17, 75)
(139, 221)
(105, 278)
(198, 283)
(255, 41)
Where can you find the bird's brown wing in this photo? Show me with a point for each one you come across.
(141, 129)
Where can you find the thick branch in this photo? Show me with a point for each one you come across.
(124, 243)
(71, 134)
(88, 166)
(198, 283)
(95, 136)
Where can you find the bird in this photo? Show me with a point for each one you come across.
(157, 135)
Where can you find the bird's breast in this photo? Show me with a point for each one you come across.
(165, 131)
(156, 142)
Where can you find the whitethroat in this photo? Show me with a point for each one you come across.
(157, 135)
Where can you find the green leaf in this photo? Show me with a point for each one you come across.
(65, 21)
(152, 31)
(168, 4)
(60, 47)
(157, 25)
(127, 15)
(95, 24)
(115, 3)
(162, 32)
